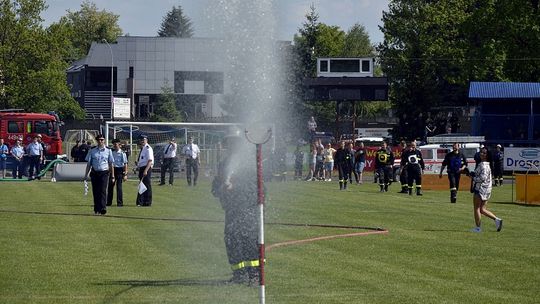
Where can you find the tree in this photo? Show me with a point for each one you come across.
(357, 43)
(31, 61)
(176, 24)
(88, 25)
(165, 109)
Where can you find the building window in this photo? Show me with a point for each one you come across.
(14, 127)
(131, 72)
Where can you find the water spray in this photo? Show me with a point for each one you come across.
(257, 135)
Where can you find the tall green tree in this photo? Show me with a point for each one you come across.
(357, 43)
(88, 25)
(176, 24)
(32, 61)
(165, 109)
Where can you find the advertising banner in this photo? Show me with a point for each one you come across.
(521, 159)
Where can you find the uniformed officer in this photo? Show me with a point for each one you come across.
(144, 165)
(414, 164)
(498, 166)
(191, 152)
(120, 167)
(456, 163)
(384, 159)
(169, 159)
(403, 171)
(35, 156)
(343, 160)
(236, 187)
(99, 166)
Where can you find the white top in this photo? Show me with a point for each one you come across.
(191, 151)
(169, 151)
(147, 153)
(482, 180)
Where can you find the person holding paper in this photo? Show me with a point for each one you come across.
(144, 164)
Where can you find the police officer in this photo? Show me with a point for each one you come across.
(236, 187)
(456, 163)
(99, 166)
(344, 159)
(145, 162)
(384, 159)
(120, 172)
(191, 152)
(412, 161)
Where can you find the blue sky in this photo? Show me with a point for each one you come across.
(143, 17)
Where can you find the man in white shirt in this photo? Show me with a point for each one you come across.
(191, 153)
(144, 164)
(169, 158)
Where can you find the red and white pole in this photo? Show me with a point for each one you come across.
(260, 201)
(259, 137)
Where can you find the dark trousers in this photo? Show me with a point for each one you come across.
(17, 168)
(118, 179)
(344, 173)
(414, 175)
(385, 174)
(100, 180)
(145, 199)
(241, 237)
(454, 178)
(34, 165)
(168, 164)
(298, 170)
(192, 164)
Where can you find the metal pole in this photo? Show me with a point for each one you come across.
(112, 76)
(260, 201)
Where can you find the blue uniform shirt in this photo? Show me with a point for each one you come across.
(35, 148)
(120, 158)
(100, 158)
(3, 151)
(17, 151)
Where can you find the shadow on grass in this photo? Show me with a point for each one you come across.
(514, 203)
(132, 284)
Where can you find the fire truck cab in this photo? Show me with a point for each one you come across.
(437, 147)
(25, 126)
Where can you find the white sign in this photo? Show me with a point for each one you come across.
(122, 108)
(521, 159)
(372, 132)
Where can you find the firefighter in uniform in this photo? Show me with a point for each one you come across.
(403, 172)
(456, 163)
(498, 166)
(384, 159)
(343, 160)
(412, 161)
(236, 187)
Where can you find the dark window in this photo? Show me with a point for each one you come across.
(324, 65)
(131, 72)
(41, 127)
(14, 127)
(213, 81)
(365, 66)
(345, 66)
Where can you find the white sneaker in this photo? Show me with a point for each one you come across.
(476, 229)
(329, 179)
(498, 224)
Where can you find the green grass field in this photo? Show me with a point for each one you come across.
(53, 250)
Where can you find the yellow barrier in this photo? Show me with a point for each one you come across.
(528, 189)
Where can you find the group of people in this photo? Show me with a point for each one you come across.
(32, 157)
(108, 168)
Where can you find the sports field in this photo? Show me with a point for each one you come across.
(53, 250)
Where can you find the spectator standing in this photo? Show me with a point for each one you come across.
(191, 152)
(4, 151)
(168, 162)
(298, 162)
(35, 155)
(328, 154)
(498, 166)
(120, 167)
(312, 162)
(99, 167)
(359, 163)
(403, 171)
(312, 128)
(75, 151)
(18, 153)
(144, 164)
(319, 164)
(456, 163)
(482, 192)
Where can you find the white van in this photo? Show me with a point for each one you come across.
(433, 155)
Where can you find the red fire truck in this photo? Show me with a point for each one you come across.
(15, 125)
